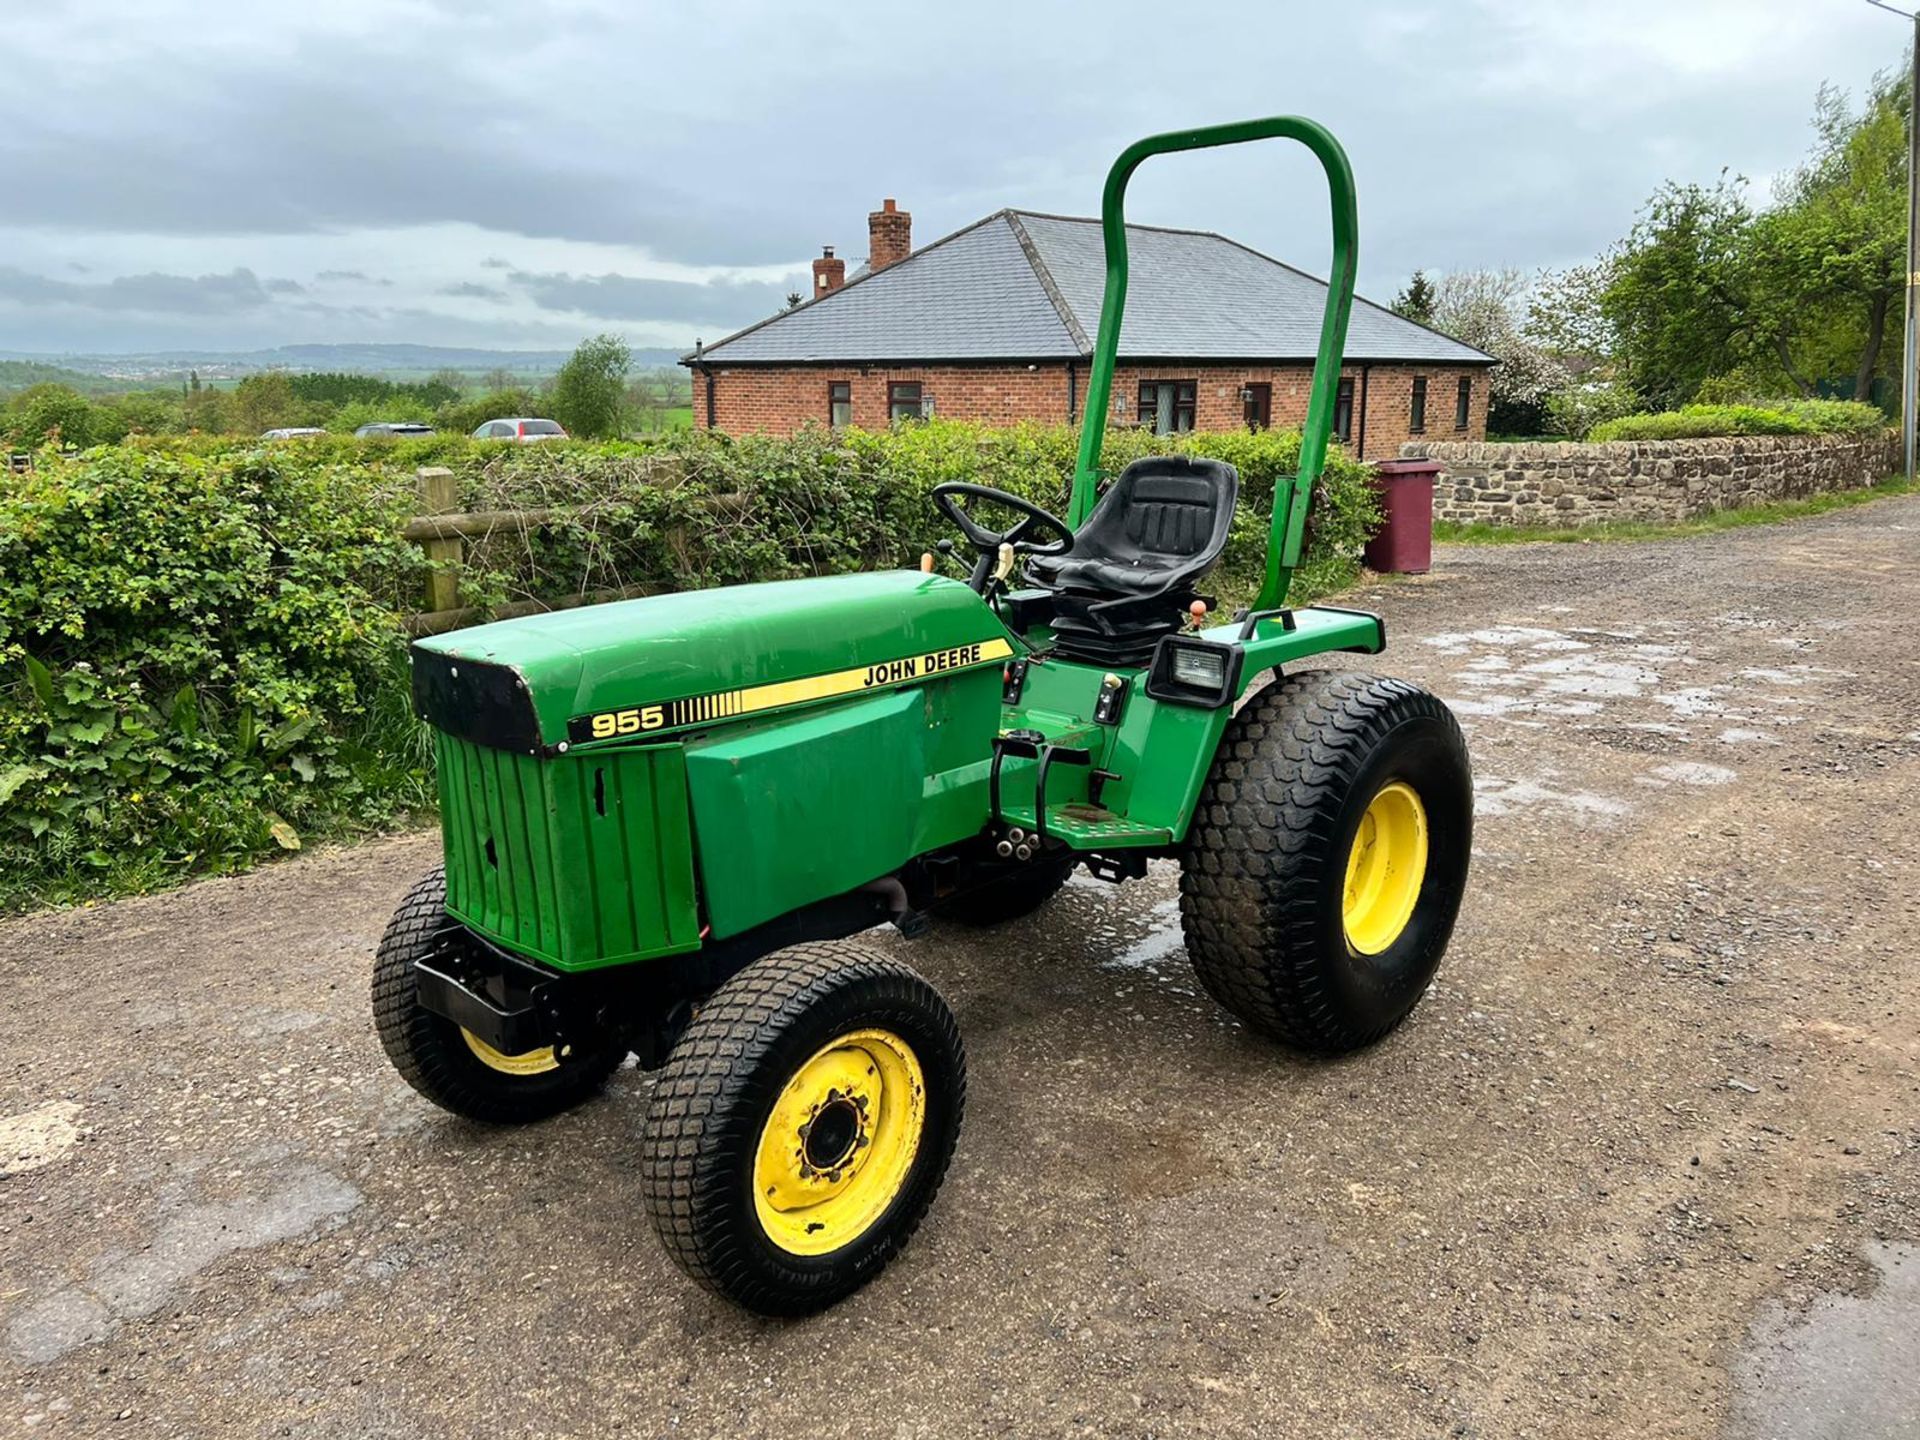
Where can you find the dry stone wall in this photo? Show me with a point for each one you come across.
(1542, 484)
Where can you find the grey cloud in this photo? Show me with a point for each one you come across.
(1482, 132)
(468, 290)
(625, 297)
(285, 287)
(238, 290)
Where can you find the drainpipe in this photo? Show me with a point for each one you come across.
(1360, 446)
(1073, 398)
(701, 369)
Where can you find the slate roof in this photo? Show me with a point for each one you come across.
(1022, 286)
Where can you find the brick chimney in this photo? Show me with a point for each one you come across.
(889, 236)
(829, 274)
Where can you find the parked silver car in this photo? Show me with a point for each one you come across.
(520, 428)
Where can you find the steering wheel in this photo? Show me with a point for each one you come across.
(988, 570)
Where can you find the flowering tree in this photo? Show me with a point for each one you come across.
(1488, 309)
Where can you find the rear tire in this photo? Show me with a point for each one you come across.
(1301, 916)
(452, 1068)
(802, 1126)
(1020, 893)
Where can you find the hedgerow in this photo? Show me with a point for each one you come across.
(1785, 417)
(202, 654)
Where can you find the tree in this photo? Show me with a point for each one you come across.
(1416, 301)
(1829, 260)
(55, 414)
(1486, 308)
(1707, 291)
(587, 392)
(261, 402)
(1677, 292)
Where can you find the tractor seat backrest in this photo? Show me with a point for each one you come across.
(1158, 529)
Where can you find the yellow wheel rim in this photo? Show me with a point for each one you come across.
(840, 1142)
(1385, 868)
(531, 1062)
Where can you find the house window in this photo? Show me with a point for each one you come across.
(1463, 404)
(1417, 407)
(903, 400)
(1343, 413)
(839, 403)
(1256, 406)
(1166, 406)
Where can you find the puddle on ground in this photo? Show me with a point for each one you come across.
(1495, 795)
(1848, 1368)
(1164, 938)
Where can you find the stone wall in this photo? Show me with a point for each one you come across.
(1541, 484)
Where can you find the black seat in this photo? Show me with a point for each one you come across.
(1130, 575)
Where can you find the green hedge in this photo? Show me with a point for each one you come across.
(1786, 417)
(201, 655)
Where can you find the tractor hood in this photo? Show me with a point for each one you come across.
(636, 668)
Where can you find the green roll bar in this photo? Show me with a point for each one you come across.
(1290, 510)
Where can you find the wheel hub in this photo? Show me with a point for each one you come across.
(1385, 868)
(840, 1142)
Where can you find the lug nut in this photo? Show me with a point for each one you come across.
(1016, 834)
(1004, 849)
(1023, 852)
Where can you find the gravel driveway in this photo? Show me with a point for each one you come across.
(1646, 1162)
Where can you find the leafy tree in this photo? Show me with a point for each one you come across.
(590, 386)
(1829, 260)
(1676, 295)
(49, 414)
(1416, 301)
(262, 402)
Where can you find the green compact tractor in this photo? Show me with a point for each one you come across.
(664, 819)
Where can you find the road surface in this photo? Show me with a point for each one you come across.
(1645, 1162)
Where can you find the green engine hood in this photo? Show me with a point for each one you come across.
(640, 667)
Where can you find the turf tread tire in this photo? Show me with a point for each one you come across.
(1275, 815)
(711, 1100)
(428, 1049)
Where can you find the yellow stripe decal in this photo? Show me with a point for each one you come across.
(725, 704)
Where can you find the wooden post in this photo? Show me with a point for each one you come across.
(439, 495)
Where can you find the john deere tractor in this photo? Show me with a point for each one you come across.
(665, 818)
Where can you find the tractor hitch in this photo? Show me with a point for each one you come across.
(507, 1003)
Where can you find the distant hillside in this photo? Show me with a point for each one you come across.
(18, 375)
(393, 361)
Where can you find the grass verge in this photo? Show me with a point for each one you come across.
(1455, 532)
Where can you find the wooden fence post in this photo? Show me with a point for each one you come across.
(440, 495)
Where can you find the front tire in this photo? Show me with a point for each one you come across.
(452, 1067)
(1328, 856)
(802, 1126)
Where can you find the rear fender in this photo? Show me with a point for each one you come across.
(1164, 749)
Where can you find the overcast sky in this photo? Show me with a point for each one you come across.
(202, 174)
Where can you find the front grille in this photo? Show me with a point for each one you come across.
(578, 861)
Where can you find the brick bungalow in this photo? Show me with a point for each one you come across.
(995, 323)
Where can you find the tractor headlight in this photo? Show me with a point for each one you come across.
(1202, 669)
(1191, 671)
